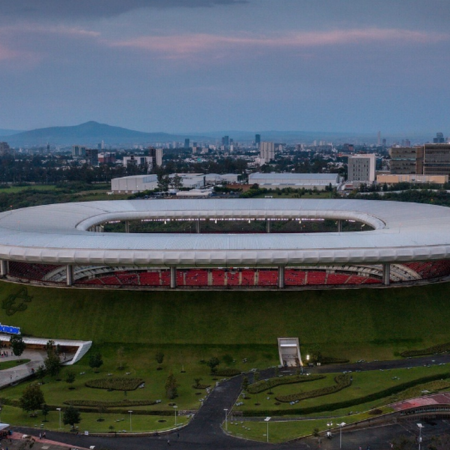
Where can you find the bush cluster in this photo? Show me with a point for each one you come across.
(441, 348)
(347, 403)
(330, 360)
(264, 385)
(227, 372)
(342, 381)
(115, 383)
(117, 404)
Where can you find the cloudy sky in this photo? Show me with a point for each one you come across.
(206, 65)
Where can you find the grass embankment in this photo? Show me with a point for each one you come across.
(354, 324)
(14, 363)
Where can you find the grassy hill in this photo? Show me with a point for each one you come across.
(339, 321)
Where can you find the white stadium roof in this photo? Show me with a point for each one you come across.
(58, 233)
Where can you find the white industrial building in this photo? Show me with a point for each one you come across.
(139, 183)
(274, 180)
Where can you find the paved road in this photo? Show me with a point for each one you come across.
(204, 431)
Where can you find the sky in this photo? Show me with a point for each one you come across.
(204, 65)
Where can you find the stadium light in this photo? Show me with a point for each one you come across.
(267, 420)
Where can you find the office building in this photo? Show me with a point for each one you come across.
(78, 151)
(267, 151)
(187, 143)
(92, 157)
(226, 141)
(257, 139)
(361, 168)
(439, 139)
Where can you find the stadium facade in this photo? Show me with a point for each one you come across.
(66, 244)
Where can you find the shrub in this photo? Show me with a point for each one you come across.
(264, 385)
(342, 381)
(116, 384)
(330, 360)
(441, 348)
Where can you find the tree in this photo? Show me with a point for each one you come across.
(45, 410)
(17, 345)
(213, 363)
(171, 386)
(70, 377)
(95, 361)
(40, 373)
(50, 347)
(52, 364)
(120, 358)
(244, 383)
(159, 357)
(32, 398)
(197, 382)
(71, 416)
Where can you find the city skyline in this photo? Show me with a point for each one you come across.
(205, 65)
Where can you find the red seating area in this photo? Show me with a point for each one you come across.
(30, 271)
(267, 278)
(431, 269)
(232, 277)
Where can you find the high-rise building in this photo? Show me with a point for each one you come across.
(379, 139)
(226, 141)
(187, 143)
(362, 168)
(4, 148)
(78, 151)
(157, 155)
(439, 139)
(267, 151)
(257, 139)
(92, 156)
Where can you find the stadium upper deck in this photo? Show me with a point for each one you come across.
(59, 233)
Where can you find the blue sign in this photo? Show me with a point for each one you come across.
(8, 329)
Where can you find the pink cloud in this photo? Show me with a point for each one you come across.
(183, 45)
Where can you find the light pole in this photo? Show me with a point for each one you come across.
(420, 433)
(329, 425)
(267, 420)
(59, 409)
(341, 425)
(226, 419)
(131, 428)
(175, 408)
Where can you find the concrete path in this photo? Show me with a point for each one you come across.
(17, 373)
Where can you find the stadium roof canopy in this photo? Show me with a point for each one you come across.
(58, 233)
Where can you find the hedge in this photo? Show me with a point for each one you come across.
(330, 360)
(342, 381)
(441, 348)
(117, 404)
(348, 403)
(264, 385)
(116, 383)
(227, 372)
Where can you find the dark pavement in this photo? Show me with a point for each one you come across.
(205, 432)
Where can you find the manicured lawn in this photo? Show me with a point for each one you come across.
(364, 383)
(5, 364)
(120, 422)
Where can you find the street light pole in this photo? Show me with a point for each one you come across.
(175, 408)
(341, 425)
(131, 428)
(267, 420)
(420, 434)
(226, 419)
(59, 409)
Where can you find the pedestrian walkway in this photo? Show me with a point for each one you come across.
(17, 373)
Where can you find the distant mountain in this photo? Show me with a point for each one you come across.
(89, 133)
(8, 132)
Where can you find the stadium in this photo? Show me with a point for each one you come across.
(365, 244)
